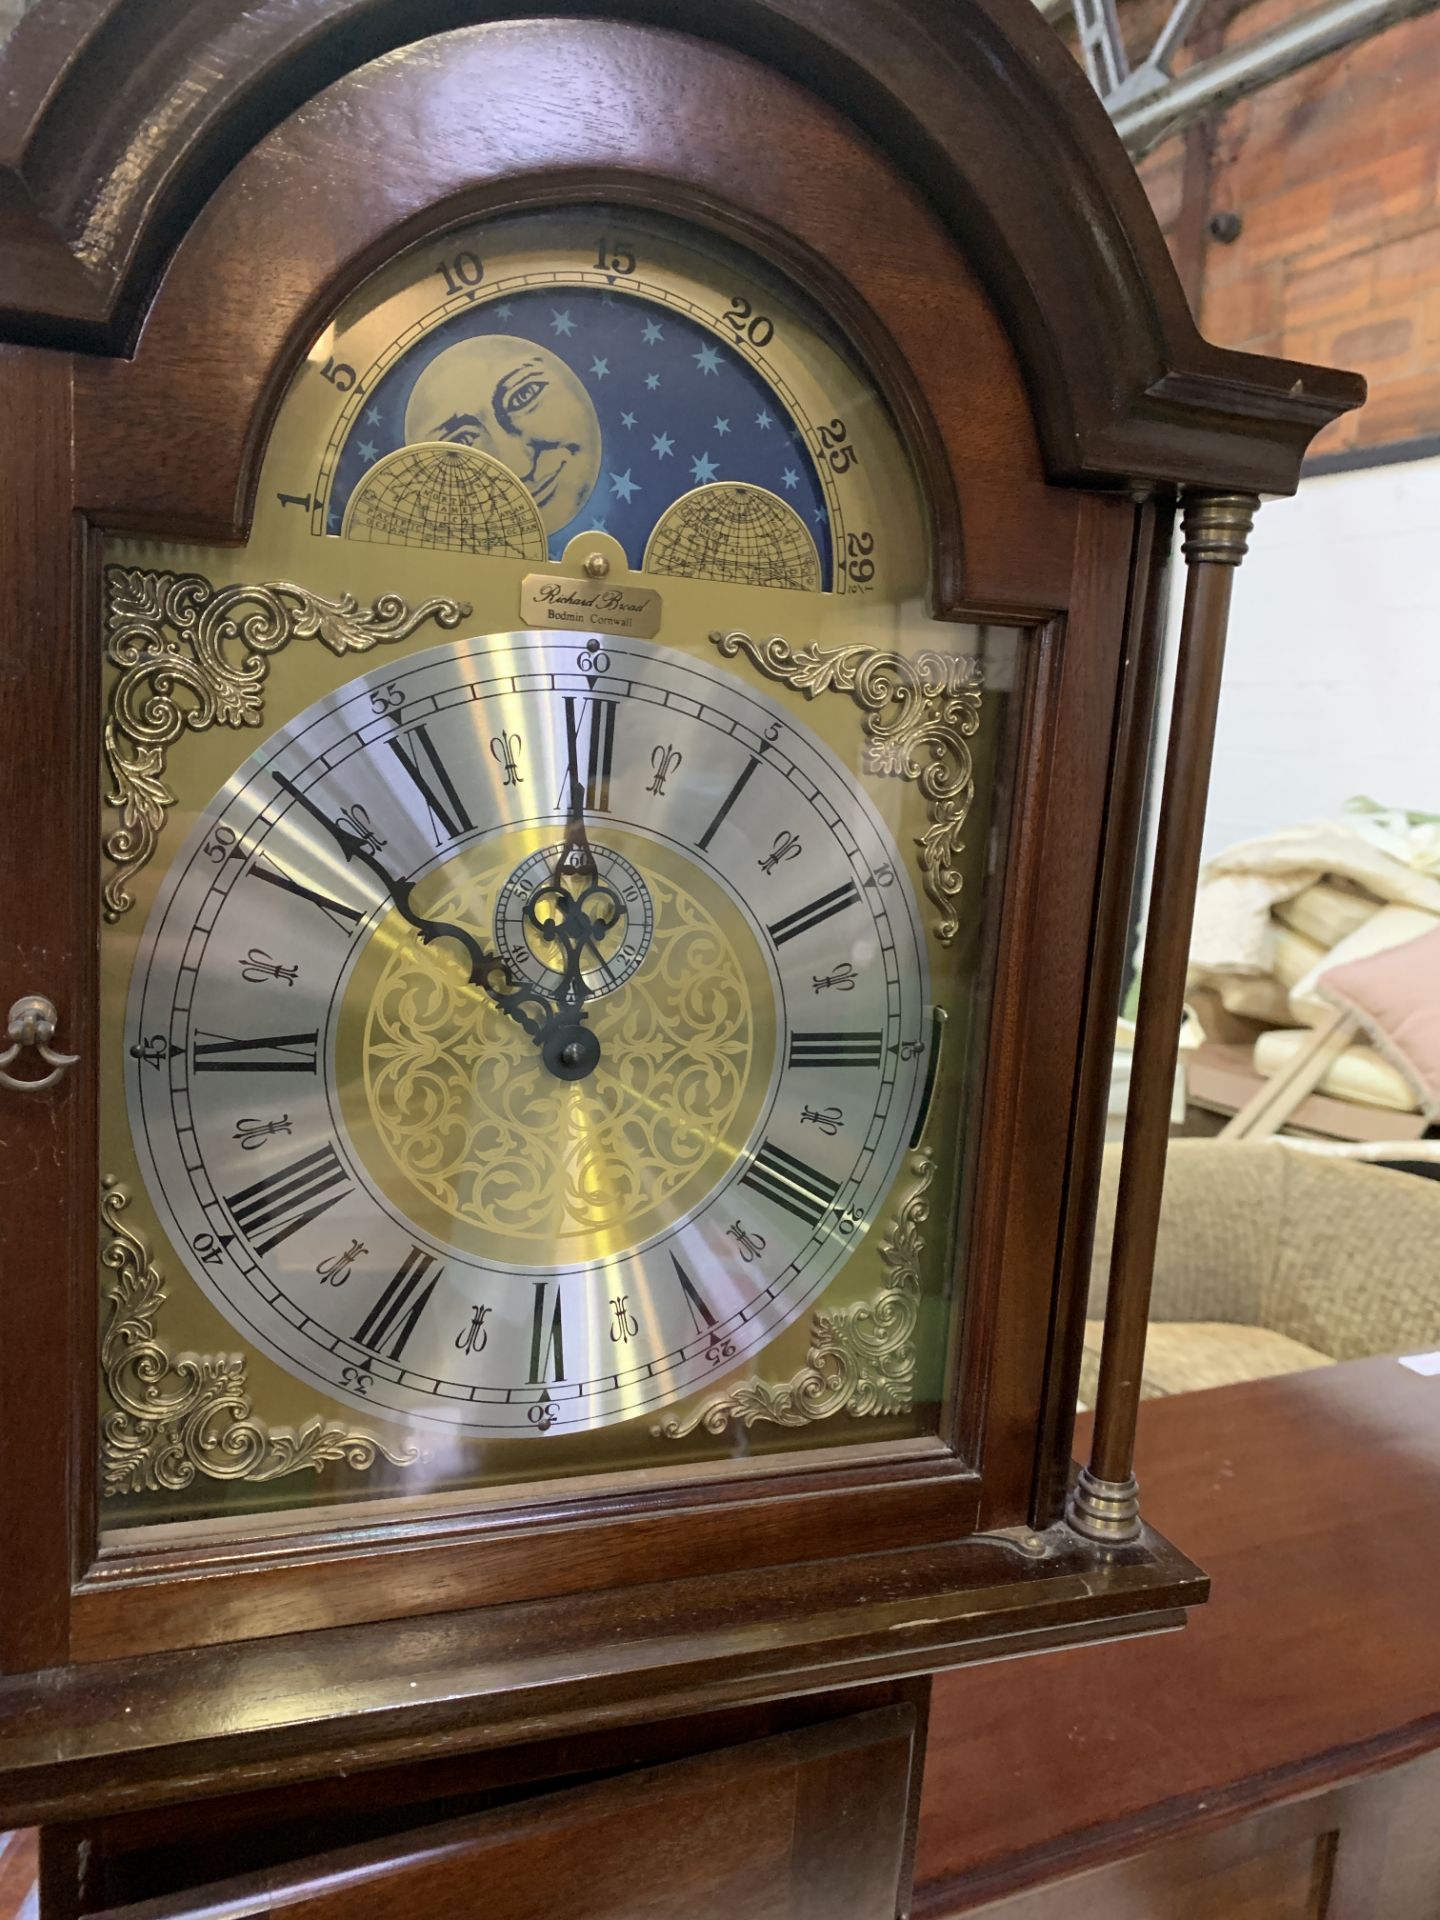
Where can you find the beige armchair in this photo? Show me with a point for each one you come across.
(1272, 1260)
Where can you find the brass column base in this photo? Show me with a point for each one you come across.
(1107, 1511)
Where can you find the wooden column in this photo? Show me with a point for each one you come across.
(1105, 1505)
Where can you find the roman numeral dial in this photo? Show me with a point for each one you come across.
(432, 778)
(396, 1314)
(787, 1181)
(836, 1049)
(273, 1208)
(366, 1164)
(267, 1053)
(815, 913)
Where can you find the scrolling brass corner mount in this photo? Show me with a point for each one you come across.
(174, 1416)
(188, 656)
(921, 714)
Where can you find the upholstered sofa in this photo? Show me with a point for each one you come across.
(1271, 1260)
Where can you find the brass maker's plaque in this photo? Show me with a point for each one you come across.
(589, 604)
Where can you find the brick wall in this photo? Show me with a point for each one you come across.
(1335, 174)
(1332, 682)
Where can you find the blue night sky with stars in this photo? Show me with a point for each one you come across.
(676, 408)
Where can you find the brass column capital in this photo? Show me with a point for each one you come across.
(1216, 527)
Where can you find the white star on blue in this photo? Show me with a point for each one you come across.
(622, 485)
(652, 332)
(722, 426)
(703, 469)
(821, 516)
(707, 359)
(652, 381)
(334, 523)
(600, 368)
(504, 312)
(791, 478)
(368, 451)
(627, 419)
(561, 322)
(763, 419)
(372, 416)
(663, 445)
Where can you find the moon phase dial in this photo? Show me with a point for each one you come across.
(623, 932)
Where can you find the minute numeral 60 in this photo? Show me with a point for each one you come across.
(742, 318)
(835, 441)
(859, 547)
(461, 272)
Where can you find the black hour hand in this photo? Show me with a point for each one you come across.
(517, 1001)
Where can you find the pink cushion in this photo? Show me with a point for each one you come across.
(1396, 996)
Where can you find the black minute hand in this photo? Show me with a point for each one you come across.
(488, 971)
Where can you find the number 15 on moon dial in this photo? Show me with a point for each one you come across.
(524, 1037)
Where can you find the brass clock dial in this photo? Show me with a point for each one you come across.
(542, 909)
(370, 1147)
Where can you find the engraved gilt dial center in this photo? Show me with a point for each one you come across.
(626, 1124)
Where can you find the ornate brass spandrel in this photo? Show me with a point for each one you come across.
(178, 1415)
(921, 715)
(190, 655)
(861, 1359)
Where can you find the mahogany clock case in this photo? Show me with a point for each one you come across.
(165, 329)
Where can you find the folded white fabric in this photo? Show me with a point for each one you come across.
(1234, 931)
(1360, 1074)
(1326, 913)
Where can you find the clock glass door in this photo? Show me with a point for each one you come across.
(549, 907)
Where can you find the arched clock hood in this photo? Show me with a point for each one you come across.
(107, 162)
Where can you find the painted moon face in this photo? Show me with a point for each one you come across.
(522, 405)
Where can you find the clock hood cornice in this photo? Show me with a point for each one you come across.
(120, 118)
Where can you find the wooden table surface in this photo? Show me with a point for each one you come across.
(1313, 1501)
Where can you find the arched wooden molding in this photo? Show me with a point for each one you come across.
(119, 119)
(169, 441)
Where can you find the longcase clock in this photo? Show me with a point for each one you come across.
(582, 612)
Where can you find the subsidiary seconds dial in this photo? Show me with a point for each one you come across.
(525, 1035)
